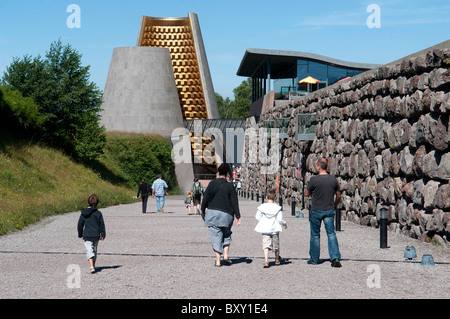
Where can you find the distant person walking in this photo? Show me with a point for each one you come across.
(158, 187)
(188, 202)
(325, 192)
(143, 191)
(91, 228)
(197, 191)
(221, 200)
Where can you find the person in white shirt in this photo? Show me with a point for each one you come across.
(270, 222)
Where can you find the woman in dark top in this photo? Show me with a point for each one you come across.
(144, 192)
(222, 202)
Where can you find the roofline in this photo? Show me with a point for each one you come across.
(307, 56)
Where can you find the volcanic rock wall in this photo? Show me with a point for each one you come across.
(386, 135)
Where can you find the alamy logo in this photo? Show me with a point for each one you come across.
(266, 155)
(74, 278)
(374, 20)
(74, 19)
(374, 279)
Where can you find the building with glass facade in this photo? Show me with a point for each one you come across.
(281, 71)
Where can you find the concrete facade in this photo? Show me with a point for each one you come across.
(140, 94)
(205, 75)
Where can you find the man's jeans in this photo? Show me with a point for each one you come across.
(159, 202)
(315, 220)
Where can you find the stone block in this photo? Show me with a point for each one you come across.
(442, 198)
(429, 191)
(406, 159)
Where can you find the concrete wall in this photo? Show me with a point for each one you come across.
(386, 134)
(140, 95)
(203, 66)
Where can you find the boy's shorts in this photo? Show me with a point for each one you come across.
(272, 242)
(91, 249)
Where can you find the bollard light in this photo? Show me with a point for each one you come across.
(257, 196)
(280, 199)
(410, 252)
(293, 206)
(427, 260)
(252, 195)
(383, 227)
(338, 217)
(263, 196)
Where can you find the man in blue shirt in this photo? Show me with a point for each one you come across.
(158, 187)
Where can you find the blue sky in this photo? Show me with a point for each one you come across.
(337, 29)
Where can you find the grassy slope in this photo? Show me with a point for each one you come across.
(37, 181)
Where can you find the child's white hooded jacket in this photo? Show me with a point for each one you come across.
(270, 219)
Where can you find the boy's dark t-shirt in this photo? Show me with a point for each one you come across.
(323, 188)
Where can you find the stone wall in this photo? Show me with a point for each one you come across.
(386, 134)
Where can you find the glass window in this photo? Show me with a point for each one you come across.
(302, 69)
(318, 71)
(335, 74)
(282, 83)
(353, 72)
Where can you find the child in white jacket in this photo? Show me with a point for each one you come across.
(270, 220)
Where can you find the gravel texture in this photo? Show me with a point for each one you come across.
(169, 256)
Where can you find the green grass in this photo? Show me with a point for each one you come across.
(37, 181)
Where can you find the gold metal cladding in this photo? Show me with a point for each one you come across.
(176, 35)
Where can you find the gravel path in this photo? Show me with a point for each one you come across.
(168, 256)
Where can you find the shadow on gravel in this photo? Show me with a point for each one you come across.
(239, 260)
(99, 269)
(235, 260)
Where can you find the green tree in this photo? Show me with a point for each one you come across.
(68, 101)
(240, 106)
(18, 113)
(242, 99)
(224, 106)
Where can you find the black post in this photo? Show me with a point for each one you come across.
(280, 198)
(257, 196)
(293, 206)
(383, 228)
(338, 217)
(252, 195)
(263, 196)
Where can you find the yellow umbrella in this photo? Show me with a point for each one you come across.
(309, 80)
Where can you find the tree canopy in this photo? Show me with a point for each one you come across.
(240, 107)
(68, 103)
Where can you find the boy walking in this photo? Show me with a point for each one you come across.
(91, 228)
(270, 220)
(197, 190)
